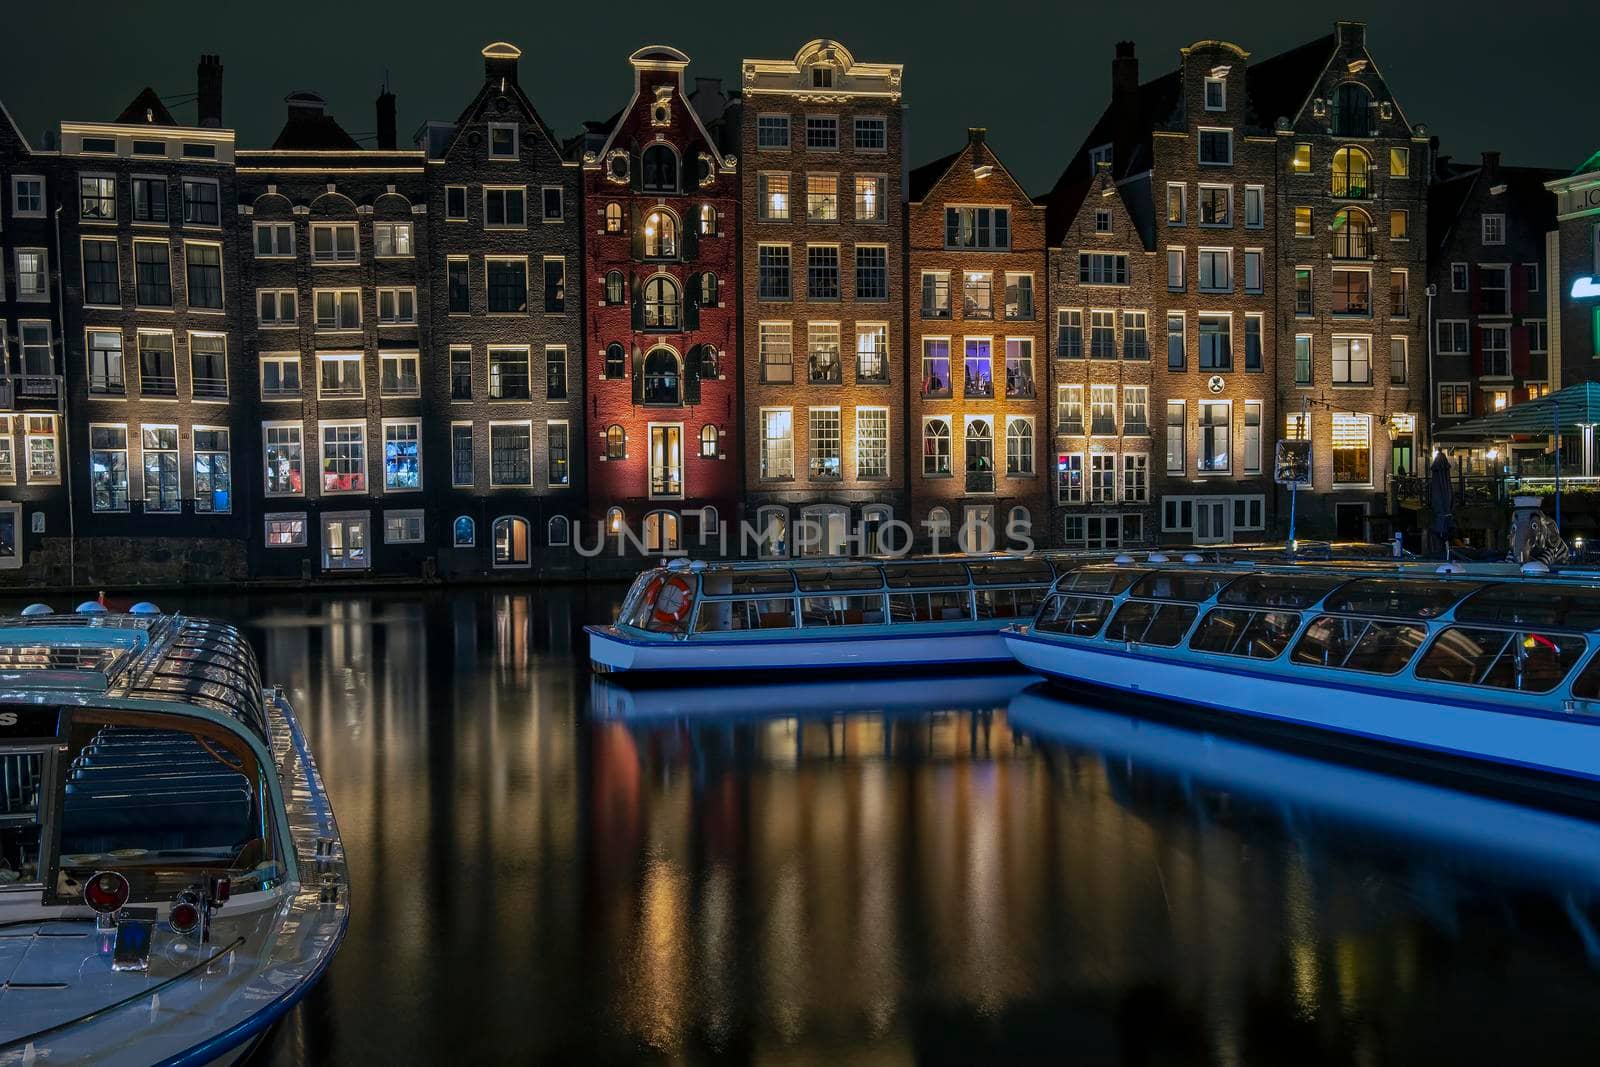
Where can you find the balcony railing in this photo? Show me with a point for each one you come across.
(824, 373)
(158, 385)
(211, 388)
(101, 385)
(39, 385)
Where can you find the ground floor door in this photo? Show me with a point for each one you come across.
(344, 542)
(1350, 522)
(1210, 522)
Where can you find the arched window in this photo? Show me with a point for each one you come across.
(708, 220)
(1351, 165)
(616, 362)
(939, 523)
(464, 532)
(661, 305)
(708, 289)
(614, 520)
(614, 290)
(708, 361)
(1352, 234)
(1352, 106)
(660, 165)
(662, 383)
(661, 531)
(708, 441)
(511, 542)
(708, 523)
(772, 525)
(613, 217)
(558, 532)
(616, 442)
(660, 235)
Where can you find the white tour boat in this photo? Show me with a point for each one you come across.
(171, 877)
(822, 614)
(1492, 665)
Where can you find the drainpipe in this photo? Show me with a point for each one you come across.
(61, 407)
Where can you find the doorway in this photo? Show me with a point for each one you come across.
(1350, 522)
(1210, 522)
(344, 542)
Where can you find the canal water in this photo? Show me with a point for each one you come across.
(547, 868)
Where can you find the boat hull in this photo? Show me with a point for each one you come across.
(613, 652)
(1473, 732)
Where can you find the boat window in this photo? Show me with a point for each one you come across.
(924, 575)
(21, 781)
(1019, 603)
(636, 609)
(827, 579)
(1587, 685)
(718, 581)
(1189, 586)
(1145, 622)
(1236, 632)
(1107, 580)
(1368, 645)
(1280, 590)
(143, 794)
(1079, 616)
(841, 610)
(1502, 659)
(953, 605)
(756, 614)
(1572, 607)
(1011, 572)
(1406, 598)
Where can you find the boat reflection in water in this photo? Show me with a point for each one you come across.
(1441, 834)
(809, 700)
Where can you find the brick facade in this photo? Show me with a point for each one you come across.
(977, 411)
(661, 236)
(826, 406)
(1575, 254)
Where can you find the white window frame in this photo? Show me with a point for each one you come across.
(1199, 141)
(394, 292)
(276, 227)
(1498, 222)
(17, 210)
(516, 142)
(340, 356)
(285, 424)
(43, 295)
(406, 515)
(1372, 466)
(283, 517)
(888, 443)
(278, 358)
(366, 458)
(336, 260)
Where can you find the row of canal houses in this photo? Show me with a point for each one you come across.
(723, 310)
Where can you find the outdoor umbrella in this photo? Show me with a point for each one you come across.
(1441, 498)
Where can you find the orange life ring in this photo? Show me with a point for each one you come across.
(673, 601)
(652, 588)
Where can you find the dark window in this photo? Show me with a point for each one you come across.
(461, 374)
(460, 285)
(822, 272)
(660, 169)
(1144, 623)
(661, 381)
(616, 362)
(510, 457)
(1080, 616)
(208, 366)
(1501, 659)
(200, 203)
(100, 282)
(614, 290)
(508, 285)
(555, 285)
(774, 272)
(152, 264)
(204, 275)
(1352, 111)
(1252, 343)
(150, 200)
(1359, 644)
(1235, 632)
(455, 203)
(552, 203)
(461, 467)
(872, 273)
(555, 373)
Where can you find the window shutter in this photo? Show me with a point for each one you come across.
(636, 169)
(1475, 290)
(691, 375)
(635, 232)
(691, 302)
(638, 377)
(1475, 342)
(689, 242)
(638, 305)
(1521, 361)
(1519, 288)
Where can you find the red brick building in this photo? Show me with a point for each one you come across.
(977, 407)
(661, 241)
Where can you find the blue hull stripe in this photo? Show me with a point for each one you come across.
(835, 633)
(1310, 726)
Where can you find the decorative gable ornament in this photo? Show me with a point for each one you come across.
(1319, 108)
(1385, 110)
(1356, 66)
(617, 166)
(661, 110)
(707, 169)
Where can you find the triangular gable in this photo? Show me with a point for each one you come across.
(146, 109)
(530, 114)
(1096, 194)
(22, 138)
(653, 50)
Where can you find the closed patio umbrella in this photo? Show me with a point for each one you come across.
(1441, 499)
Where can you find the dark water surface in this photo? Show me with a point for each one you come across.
(547, 869)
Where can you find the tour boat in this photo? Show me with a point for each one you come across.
(171, 877)
(827, 614)
(1493, 665)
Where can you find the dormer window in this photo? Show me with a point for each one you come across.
(821, 77)
(1099, 154)
(1216, 94)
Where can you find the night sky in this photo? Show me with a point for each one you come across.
(1479, 75)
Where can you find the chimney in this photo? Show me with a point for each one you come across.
(208, 78)
(387, 141)
(975, 135)
(1353, 35)
(1491, 164)
(1124, 100)
(500, 62)
(1124, 71)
